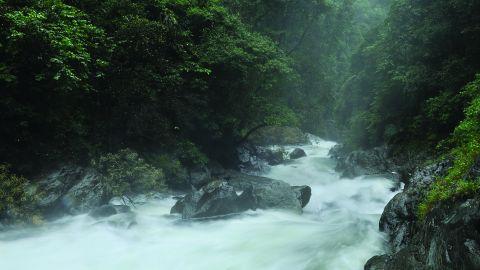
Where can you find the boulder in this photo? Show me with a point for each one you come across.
(68, 190)
(221, 197)
(362, 162)
(269, 193)
(376, 263)
(256, 158)
(447, 238)
(297, 153)
(87, 194)
(399, 216)
(218, 198)
(51, 188)
(303, 194)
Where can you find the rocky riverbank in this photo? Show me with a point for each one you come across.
(447, 238)
(211, 189)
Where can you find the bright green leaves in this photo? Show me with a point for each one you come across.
(56, 40)
(466, 152)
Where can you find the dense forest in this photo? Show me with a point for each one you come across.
(160, 87)
(82, 78)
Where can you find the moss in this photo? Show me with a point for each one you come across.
(458, 183)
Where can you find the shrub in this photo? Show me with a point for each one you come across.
(190, 155)
(126, 174)
(176, 175)
(16, 205)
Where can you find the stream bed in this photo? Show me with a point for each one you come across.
(338, 230)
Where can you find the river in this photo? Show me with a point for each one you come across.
(338, 230)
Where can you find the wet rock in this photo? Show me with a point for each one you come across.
(199, 176)
(215, 199)
(87, 194)
(269, 193)
(297, 153)
(179, 206)
(362, 162)
(68, 190)
(399, 216)
(221, 197)
(272, 157)
(257, 158)
(109, 210)
(50, 190)
(248, 159)
(396, 220)
(303, 194)
(376, 263)
(449, 236)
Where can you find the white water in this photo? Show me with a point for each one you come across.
(338, 230)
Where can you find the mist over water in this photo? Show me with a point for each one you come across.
(338, 230)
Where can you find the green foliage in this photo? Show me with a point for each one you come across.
(279, 136)
(408, 72)
(16, 205)
(80, 78)
(466, 152)
(190, 155)
(49, 53)
(125, 174)
(176, 175)
(320, 37)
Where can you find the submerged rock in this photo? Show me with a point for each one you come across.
(297, 153)
(109, 210)
(114, 215)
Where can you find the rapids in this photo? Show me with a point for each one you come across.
(338, 230)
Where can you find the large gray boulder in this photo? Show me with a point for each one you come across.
(87, 194)
(269, 193)
(51, 188)
(222, 197)
(69, 190)
(215, 199)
